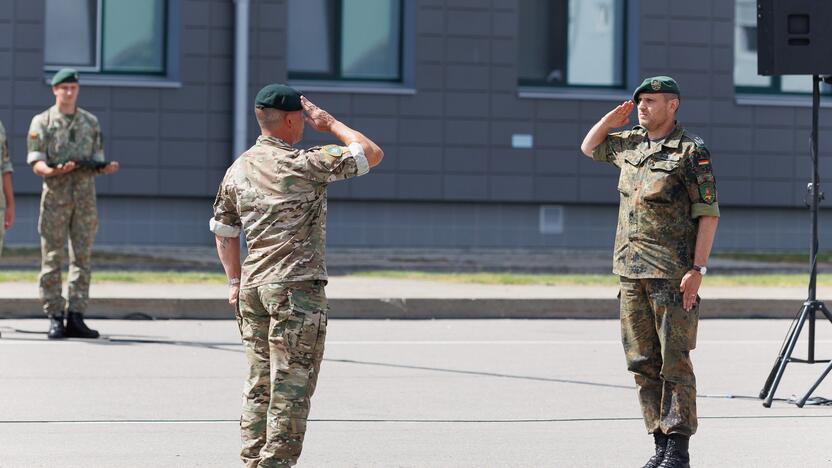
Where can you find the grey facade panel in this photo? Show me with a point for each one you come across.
(450, 142)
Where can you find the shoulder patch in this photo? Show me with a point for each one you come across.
(707, 191)
(333, 150)
(34, 135)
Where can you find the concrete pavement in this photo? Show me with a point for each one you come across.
(393, 393)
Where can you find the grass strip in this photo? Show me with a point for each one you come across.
(105, 276)
(177, 277)
(763, 280)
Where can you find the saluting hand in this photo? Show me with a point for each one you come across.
(620, 116)
(689, 288)
(318, 118)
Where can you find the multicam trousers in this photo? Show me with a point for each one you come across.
(658, 334)
(68, 212)
(283, 327)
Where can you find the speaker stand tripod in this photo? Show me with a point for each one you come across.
(812, 306)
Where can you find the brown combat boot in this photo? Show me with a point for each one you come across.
(661, 445)
(76, 328)
(676, 455)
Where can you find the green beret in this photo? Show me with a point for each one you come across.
(278, 96)
(657, 84)
(65, 75)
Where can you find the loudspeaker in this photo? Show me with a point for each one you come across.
(794, 37)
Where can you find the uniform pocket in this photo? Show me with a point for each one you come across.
(307, 317)
(660, 181)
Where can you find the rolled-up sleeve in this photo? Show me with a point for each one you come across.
(333, 162)
(98, 144)
(609, 149)
(226, 220)
(36, 142)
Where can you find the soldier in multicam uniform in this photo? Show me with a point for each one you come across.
(666, 225)
(61, 138)
(6, 189)
(276, 195)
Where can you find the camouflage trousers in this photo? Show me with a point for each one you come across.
(76, 220)
(658, 335)
(283, 327)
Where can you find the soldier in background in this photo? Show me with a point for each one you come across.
(6, 189)
(666, 225)
(276, 195)
(62, 142)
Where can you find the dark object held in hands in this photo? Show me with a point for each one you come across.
(85, 163)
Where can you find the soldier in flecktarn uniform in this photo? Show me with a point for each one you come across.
(667, 220)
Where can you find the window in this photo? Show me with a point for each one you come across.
(746, 78)
(107, 36)
(357, 40)
(571, 43)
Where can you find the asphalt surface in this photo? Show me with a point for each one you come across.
(398, 393)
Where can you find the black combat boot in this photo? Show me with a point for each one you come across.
(76, 328)
(661, 444)
(676, 455)
(56, 327)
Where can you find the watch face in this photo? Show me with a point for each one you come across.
(703, 270)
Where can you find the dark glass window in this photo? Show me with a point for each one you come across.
(352, 40)
(571, 43)
(106, 36)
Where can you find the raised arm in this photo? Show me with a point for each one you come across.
(323, 121)
(615, 118)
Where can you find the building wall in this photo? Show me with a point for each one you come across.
(450, 175)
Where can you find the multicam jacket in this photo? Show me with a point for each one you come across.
(664, 187)
(277, 195)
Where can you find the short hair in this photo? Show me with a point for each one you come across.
(268, 118)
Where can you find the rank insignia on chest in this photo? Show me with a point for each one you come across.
(708, 192)
(334, 151)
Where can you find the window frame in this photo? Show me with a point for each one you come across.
(775, 88)
(625, 37)
(335, 45)
(168, 15)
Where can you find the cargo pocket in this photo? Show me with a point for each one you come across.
(307, 319)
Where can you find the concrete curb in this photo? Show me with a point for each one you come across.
(403, 308)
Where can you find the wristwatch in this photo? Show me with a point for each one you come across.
(702, 269)
(234, 281)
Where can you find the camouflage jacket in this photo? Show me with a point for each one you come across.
(5, 163)
(277, 195)
(57, 138)
(664, 187)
